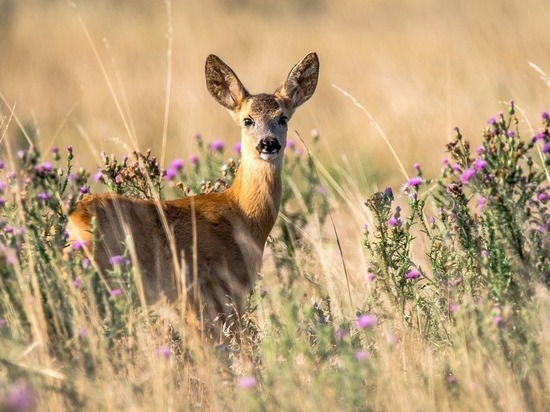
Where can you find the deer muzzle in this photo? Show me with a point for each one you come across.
(268, 148)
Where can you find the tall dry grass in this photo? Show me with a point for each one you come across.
(97, 76)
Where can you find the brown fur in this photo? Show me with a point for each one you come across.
(218, 239)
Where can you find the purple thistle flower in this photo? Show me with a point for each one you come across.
(82, 333)
(197, 137)
(20, 398)
(340, 334)
(539, 136)
(371, 276)
(451, 380)
(480, 164)
(98, 177)
(116, 292)
(72, 176)
(86, 263)
(43, 196)
(217, 146)
(290, 144)
(163, 352)
(467, 175)
(413, 274)
(170, 174)
(492, 120)
(366, 322)
(177, 164)
(542, 197)
(511, 134)
(545, 116)
(84, 189)
(394, 222)
(482, 202)
(480, 150)
(391, 338)
(70, 149)
(238, 147)
(119, 179)
(484, 253)
(79, 244)
(546, 148)
(498, 320)
(11, 175)
(415, 181)
(116, 260)
(456, 168)
(194, 160)
(361, 355)
(416, 166)
(77, 282)
(247, 382)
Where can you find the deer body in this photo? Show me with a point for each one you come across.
(210, 246)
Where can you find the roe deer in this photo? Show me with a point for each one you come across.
(217, 238)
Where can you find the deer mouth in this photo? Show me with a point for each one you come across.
(269, 148)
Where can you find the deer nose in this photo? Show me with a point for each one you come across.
(268, 147)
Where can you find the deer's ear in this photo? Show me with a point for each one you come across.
(301, 81)
(223, 84)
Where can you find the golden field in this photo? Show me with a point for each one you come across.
(102, 74)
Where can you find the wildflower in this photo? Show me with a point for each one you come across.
(86, 263)
(546, 148)
(391, 338)
(79, 244)
(197, 137)
(77, 282)
(361, 355)
(314, 133)
(119, 179)
(413, 274)
(451, 380)
(116, 260)
(217, 146)
(511, 134)
(72, 176)
(539, 136)
(116, 292)
(11, 175)
(542, 197)
(43, 196)
(416, 166)
(290, 144)
(482, 201)
(492, 121)
(20, 398)
(194, 160)
(298, 151)
(498, 320)
(247, 382)
(545, 116)
(177, 164)
(484, 254)
(371, 276)
(12, 260)
(480, 150)
(453, 308)
(365, 227)
(394, 222)
(467, 175)
(415, 181)
(163, 352)
(322, 190)
(456, 168)
(340, 334)
(480, 164)
(238, 148)
(170, 174)
(98, 177)
(82, 332)
(431, 220)
(2, 201)
(84, 189)
(366, 322)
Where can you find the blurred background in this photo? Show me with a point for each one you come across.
(95, 75)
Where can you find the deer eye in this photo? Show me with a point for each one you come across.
(248, 122)
(283, 120)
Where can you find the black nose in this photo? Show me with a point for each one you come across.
(268, 145)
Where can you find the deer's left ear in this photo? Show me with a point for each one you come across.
(300, 82)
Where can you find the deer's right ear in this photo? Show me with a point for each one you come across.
(223, 84)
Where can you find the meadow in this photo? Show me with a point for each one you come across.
(410, 265)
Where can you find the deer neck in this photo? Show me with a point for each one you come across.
(257, 192)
